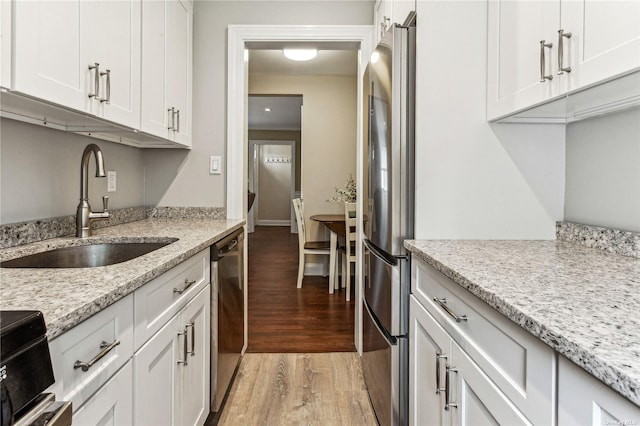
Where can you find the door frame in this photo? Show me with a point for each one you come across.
(252, 218)
(239, 39)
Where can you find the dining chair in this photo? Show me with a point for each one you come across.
(307, 247)
(348, 251)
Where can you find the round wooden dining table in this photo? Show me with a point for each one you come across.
(336, 224)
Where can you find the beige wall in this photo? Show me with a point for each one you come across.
(176, 178)
(280, 135)
(329, 134)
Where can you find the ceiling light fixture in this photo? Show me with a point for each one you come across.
(267, 109)
(300, 54)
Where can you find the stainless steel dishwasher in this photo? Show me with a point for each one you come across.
(227, 313)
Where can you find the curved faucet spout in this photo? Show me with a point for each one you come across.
(84, 214)
(84, 168)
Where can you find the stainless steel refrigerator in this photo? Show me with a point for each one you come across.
(390, 211)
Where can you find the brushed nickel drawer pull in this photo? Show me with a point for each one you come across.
(108, 90)
(106, 348)
(442, 302)
(96, 83)
(187, 284)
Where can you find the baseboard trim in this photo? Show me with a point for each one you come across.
(273, 223)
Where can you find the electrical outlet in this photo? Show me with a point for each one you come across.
(215, 165)
(111, 181)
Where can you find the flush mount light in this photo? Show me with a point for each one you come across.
(300, 54)
(267, 109)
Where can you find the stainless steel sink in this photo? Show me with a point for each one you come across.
(86, 256)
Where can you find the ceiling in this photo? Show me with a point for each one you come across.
(285, 110)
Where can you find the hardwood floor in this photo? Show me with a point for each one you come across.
(297, 389)
(283, 318)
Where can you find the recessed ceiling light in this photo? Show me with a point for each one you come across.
(267, 109)
(300, 54)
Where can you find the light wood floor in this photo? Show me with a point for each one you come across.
(298, 389)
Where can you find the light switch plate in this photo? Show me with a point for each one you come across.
(215, 165)
(111, 181)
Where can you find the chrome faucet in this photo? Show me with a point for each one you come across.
(84, 215)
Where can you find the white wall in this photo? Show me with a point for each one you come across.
(175, 178)
(274, 195)
(603, 171)
(40, 173)
(475, 180)
(329, 135)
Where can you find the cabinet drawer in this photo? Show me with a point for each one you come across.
(84, 343)
(520, 365)
(160, 299)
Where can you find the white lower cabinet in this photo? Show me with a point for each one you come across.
(112, 404)
(144, 360)
(171, 370)
(470, 365)
(583, 400)
(445, 386)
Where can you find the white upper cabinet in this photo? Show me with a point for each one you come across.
(541, 50)
(604, 42)
(58, 44)
(388, 12)
(166, 69)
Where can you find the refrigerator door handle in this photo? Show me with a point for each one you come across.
(389, 260)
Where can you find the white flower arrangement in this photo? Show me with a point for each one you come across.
(346, 194)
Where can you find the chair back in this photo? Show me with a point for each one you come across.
(350, 221)
(297, 207)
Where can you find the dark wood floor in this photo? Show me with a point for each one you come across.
(283, 318)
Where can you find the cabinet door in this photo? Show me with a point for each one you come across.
(47, 60)
(112, 404)
(179, 39)
(514, 54)
(157, 366)
(476, 399)
(111, 37)
(605, 39)
(429, 353)
(195, 376)
(595, 404)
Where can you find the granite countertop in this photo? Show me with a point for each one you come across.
(580, 301)
(67, 296)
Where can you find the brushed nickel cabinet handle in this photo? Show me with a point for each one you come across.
(178, 121)
(187, 284)
(442, 303)
(185, 351)
(192, 324)
(438, 358)
(544, 77)
(96, 80)
(561, 36)
(172, 118)
(447, 388)
(108, 98)
(106, 348)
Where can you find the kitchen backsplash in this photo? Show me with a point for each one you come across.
(16, 234)
(625, 243)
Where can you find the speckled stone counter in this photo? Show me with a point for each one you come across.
(582, 302)
(68, 296)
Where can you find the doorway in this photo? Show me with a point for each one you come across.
(244, 37)
(272, 178)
